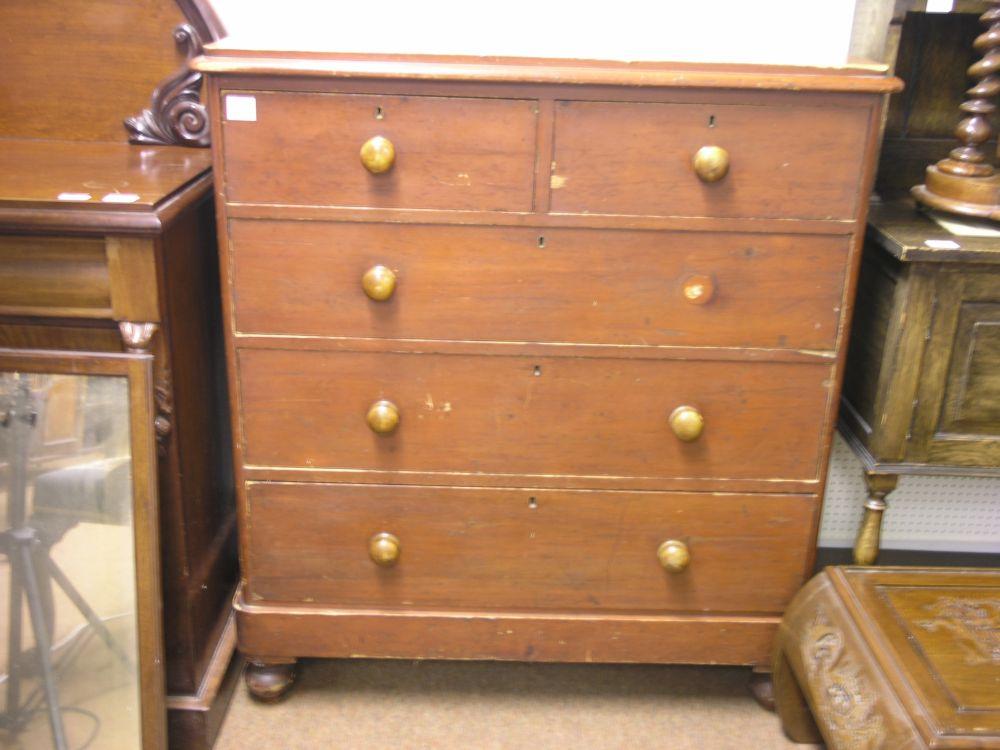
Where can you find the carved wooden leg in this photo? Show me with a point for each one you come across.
(269, 679)
(867, 542)
(796, 718)
(762, 688)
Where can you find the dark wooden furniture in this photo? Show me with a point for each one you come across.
(900, 658)
(105, 247)
(966, 182)
(479, 314)
(26, 550)
(922, 388)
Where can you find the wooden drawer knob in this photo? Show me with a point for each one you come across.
(698, 289)
(687, 423)
(383, 417)
(379, 282)
(383, 548)
(674, 556)
(378, 154)
(711, 163)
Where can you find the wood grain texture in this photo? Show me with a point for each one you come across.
(450, 153)
(497, 416)
(281, 631)
(538, 284)
(485, 415)
(523, 549)
(909, 648)
(226, 58)
(617, 158)
(59, 82)
(51, 276)
(35, 173)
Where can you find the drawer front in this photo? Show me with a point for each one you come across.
(544, 416)
(461, 153)
(54, 276)
(784, 162)
(561, 285)
(525, 549)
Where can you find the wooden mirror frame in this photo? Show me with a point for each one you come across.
(138, 369)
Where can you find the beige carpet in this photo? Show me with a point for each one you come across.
(480, 705)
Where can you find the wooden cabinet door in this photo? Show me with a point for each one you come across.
(957, 418)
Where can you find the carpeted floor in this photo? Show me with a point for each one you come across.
(405, 704)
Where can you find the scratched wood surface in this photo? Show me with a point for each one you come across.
(539, 284)
(508, 378)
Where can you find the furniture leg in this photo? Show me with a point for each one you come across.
(867, 542)
(761, 687)
(269, 679)
(790, 703)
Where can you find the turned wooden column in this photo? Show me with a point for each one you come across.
(966, 182)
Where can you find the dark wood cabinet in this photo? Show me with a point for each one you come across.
(922, 388)
(107, 246)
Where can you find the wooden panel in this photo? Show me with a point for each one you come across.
(972, 394)
(546, 415)
(74, 69)
(54, 276)
(459, 153)
(786, 162)
(345, 633)
(537, 284)
(132, 265)
(936, 644)
(524, 549)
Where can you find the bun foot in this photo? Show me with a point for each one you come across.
(267, 681)
(762, 688)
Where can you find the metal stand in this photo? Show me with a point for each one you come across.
(24, 548)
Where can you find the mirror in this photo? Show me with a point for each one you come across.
(75, 596)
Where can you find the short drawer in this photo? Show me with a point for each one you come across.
(450, 153)
(522, 284)
(485, 549)
(637, 158)
(587, 417)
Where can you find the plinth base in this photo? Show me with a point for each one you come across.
(965, 196)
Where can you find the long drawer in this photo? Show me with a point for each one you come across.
(525, 549)
(523, 284)
(450, 153)
(543, 416)
(800, 162)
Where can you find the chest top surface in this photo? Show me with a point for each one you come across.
(937, 634)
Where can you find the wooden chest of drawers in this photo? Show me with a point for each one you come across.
(531, 360)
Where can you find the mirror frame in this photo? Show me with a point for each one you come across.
(138, 369)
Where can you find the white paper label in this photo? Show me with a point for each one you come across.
(120, 198)
(939, 6)
(942, 245)
(241, 108)
(73, 197)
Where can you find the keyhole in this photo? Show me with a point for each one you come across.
(541, 241)
(537, 371)
(532, 503)
(379, 114)
(711, 121)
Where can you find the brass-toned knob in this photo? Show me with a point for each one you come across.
(711, 163)
(383, 549)
(383, 417)
(674, 556)
(378, 154)
(379, 282)
(687, 423)
(698, 289)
